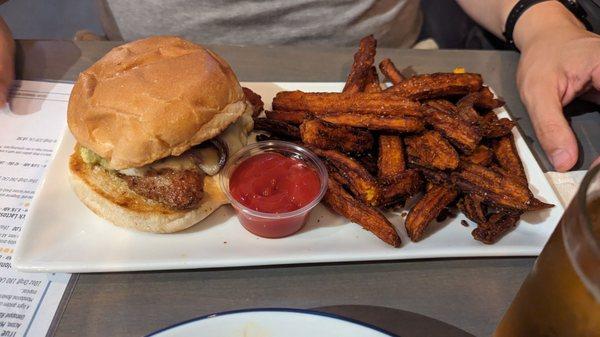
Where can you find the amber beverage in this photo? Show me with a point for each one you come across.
(561, 295)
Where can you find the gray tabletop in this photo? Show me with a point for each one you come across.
(471, 294)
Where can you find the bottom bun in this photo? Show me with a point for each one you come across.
(109, 197)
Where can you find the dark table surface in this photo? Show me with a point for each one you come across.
(471, 294)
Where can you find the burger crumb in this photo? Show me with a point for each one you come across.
(404, 214)
(225, 242)
(464, 223)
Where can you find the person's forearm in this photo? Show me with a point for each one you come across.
(491, 14)
(548, 17)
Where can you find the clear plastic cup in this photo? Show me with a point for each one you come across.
(274, 225)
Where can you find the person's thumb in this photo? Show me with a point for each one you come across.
(551, 127)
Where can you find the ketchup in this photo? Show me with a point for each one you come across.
(272, 183)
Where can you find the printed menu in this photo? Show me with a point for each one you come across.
(30, 128)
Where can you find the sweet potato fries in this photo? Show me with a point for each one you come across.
(363, 60)
(328, 136)
(391, 161)
(434, 137)
(371, 103)
(427, 209)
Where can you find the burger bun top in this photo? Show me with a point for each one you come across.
(153, 98)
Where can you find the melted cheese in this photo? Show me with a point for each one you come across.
(182, 162)
(235, 136)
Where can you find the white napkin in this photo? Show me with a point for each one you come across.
(565, 184)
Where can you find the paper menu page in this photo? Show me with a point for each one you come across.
(29, 132)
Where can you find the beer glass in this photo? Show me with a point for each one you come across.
(561, 295)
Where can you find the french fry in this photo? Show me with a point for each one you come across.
(536, 205)
(255, 100)
(389, 70)
(492, 127)
(335, 174)
(329, 136)
(291, 117)
(391, 161)
(460, 133)
(443, 105)
(482, 99)
(372, 103)
(433, 176)
(372, 82)
(370, 218)
(466, 110)
(495, 227)
(368, 161)
(399, 124)
(468, 114)
(481, 156)
(404, 184)
(496, 168)
(277, 128)
(489, 117)
(473, 208)
(486, 101)
(427, 209)
(360, 182)
(437, 85)
(432, 150)
(494, 188)
(363, 60)
(505, 152)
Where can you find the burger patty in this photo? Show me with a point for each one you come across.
(176, 189)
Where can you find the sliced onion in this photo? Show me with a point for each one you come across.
(210, 156)
(223, 151)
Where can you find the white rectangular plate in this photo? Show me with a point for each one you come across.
(62, 235)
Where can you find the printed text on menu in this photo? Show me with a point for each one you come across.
(29, 133)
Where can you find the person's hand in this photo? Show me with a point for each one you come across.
(555, 68)
(7, 74)
(7, 61)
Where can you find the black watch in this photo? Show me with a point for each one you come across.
(522, 5)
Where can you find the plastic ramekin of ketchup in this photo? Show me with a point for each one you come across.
(273, 186)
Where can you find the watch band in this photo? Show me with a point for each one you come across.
(515, 13)
(522, 5)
